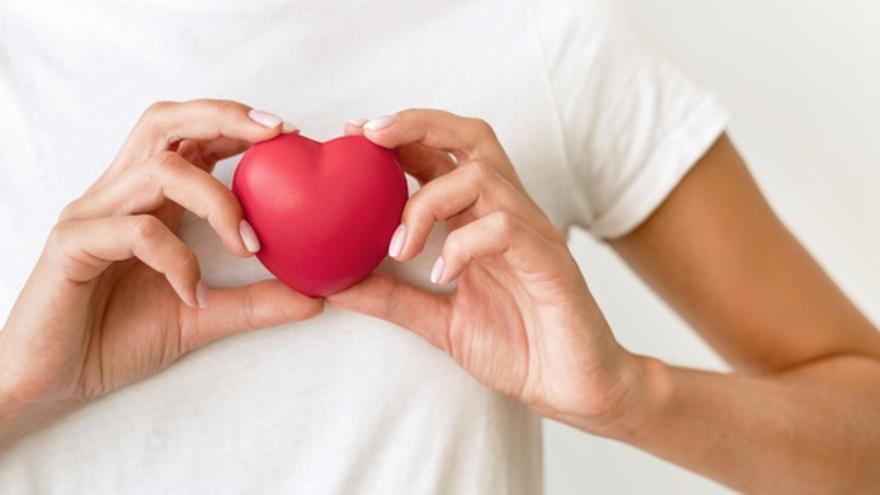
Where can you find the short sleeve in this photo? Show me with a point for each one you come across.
(634, 122)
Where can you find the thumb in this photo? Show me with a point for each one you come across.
(235, 310)
(388, 298)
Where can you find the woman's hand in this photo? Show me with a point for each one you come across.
(521, 319)
(116, 296)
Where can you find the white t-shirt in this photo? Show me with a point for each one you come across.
(600, 125)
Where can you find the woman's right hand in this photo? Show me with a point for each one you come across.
(116, 296)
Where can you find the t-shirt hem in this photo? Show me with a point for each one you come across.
(678, 153)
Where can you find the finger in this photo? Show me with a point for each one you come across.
(191, 151)
(473, 186)
(289, 128)
(420, 161)
(235, 310)
(423, 163)
(83, 249)
(464, 137)
(165, 123)
(388, 298)
(205, 154)
(354, 127)
(169, 177)
(436, 129)
(496, 234)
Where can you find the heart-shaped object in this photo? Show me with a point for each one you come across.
(324, 212)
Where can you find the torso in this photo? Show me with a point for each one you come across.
(339, 404)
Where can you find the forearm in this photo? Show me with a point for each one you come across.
(15, 419)
(815, 429)
(22, 408)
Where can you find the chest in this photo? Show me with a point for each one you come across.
(72, 91)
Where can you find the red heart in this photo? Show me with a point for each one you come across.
(324, 212)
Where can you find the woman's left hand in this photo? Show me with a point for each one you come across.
(521, 318)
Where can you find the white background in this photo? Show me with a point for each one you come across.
(802, 78)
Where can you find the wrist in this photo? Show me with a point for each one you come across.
(13, 413)
(22, 410)
(21, 415)
(644, 391)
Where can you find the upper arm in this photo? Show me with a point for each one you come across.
(716, 252)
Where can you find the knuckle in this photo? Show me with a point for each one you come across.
(227, 202)
(482, 172)
(482, 128)
(70, 210)
(503, 223)
(166, 161)
(198, 101)
(228, 106)
(408, 113)
(188, 263)
(454, 245)
(59, 236)
(418, 208)
(191, 151)
(146, 227)
(157, 108)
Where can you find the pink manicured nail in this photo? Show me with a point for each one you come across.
(265, 119)
(397, 239)
(356, 122)
(437, 270)
(248, 236)
(380, 122)
(202, 294)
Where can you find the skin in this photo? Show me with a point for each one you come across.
(799, 415)
(796, 417)
(116, 296)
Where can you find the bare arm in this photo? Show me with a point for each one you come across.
(802, 413)
(800, 417)
(116, 296)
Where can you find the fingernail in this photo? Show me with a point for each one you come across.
(397, 241)
(265, 119)
(380, 122)
(248, 236)
(437, 270)
(288, 127)
(202, 294)
(356, 122)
